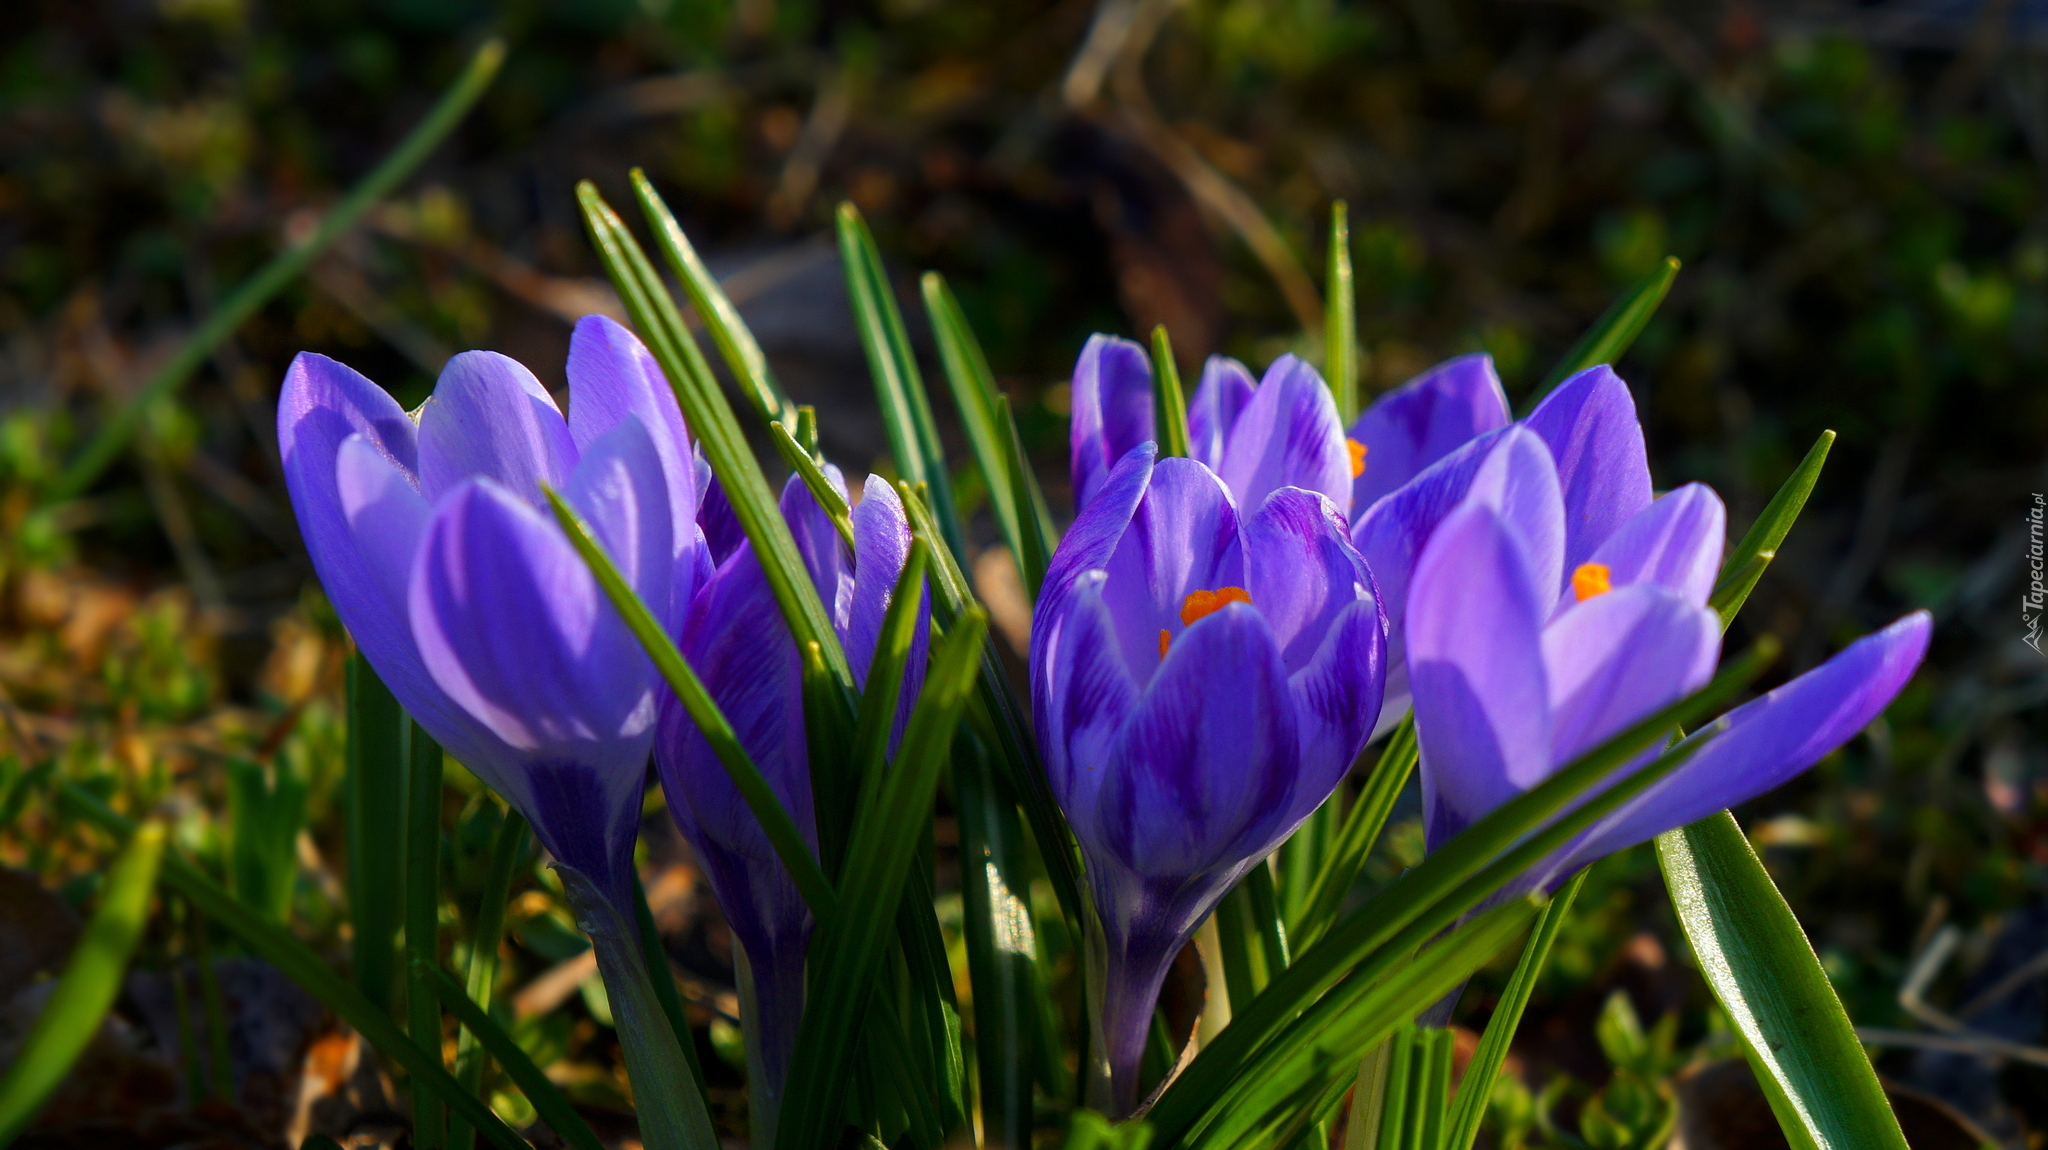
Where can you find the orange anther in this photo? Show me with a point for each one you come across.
(1590, 579)
(1200, 604)
(1357, 450)
(1164, 639)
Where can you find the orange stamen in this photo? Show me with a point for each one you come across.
(1201, 604)
(1357, 450)
(1164, 639)
(1590, 579)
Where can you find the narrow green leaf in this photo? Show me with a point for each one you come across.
(296, 961)
(899, 388)
(1765, 975)
(829, 499)
(736, 343)
(664, 982)
(1435, 1093)
(86, 990)
(1169, 402)
(375, 788)
(880, 702)
(1452, 880)
(547, 1098)
(985, 413)
(1340, 321)
(1293, 1090)
(1617, 328)
(847, 950)
(1480, 1072)
(1747, 560)
(283, 268)
(716, 429)
(508, 851)
(1355, 839)
(760, 797)
(423, 920)
(1399, 1087)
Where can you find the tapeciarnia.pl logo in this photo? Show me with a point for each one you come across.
(2036, 597)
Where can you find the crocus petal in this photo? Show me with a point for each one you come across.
(1205, 764)
(612, 375)
(566, 682)
(1337, 698)
(1097, 529)
(722, 531)
(1590, 424)
(1423, 420)
(1766, 742)
(1219, 399)
(1675, 542)
(1482, 707)
(1519, 479)
(1620, 656)
(490, 417)
(1182, 539)
(386, 516)
(881, 545)
(1082, 696)
(818, 543)
(1300, 570)
(617, 487)
(1112, 410)
(1287, 436)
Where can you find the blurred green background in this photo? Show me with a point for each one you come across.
(1856, 190)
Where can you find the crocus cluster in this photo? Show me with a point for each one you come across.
(1518, 580)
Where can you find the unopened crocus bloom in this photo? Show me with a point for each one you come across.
(1202, 675)
(1524, 656)
(1285, 430)
(733, 634)
(432, 537)
(1601, 470)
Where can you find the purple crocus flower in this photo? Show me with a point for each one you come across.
(1420, 422)
(1523, 656)
(1600, 467)
(431, 535)
(734, 637)
(1201, 679)
(1281, 432)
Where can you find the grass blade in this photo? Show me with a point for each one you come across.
(1746, 561)
(847, 950)
(664, 982)
(881, 702)
(1765, 975)
(508, 850)
(736, 344)
(991, 433)
(828, 497)
(1356, 838)
(86, 990)
(547, 1098)
(1340, 319)
(899, 388)
(375, 787)
(1480, 1072)
(775, 820)
(717, 430)
(1617, 328)
(1169, 401)
(296, 961)
(1449, 882)
(423, 920)
(282, 269)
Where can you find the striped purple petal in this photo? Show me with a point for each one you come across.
(1423, 420)
(1112, 410)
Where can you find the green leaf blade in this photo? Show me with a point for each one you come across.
(1759, 546)
(1617, 328)
(1763, 971)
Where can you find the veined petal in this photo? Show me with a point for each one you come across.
(818, 542)
(1675, 542)
(386, 516)
(1082, 696)
(1766, 742)
(490, 417)
(1206, 763)
(1219, 399)
(1287, 436)
(1301, 570)
(513, 627)
(1096, 530)
(1620, 656)
(1337, 698)
(881, 545)
(618, 488)
(612, 375)
(1475, 665)
(1590, 424)
(1423, 420)
(1519, 479)
(1183, 538)
(1112, 410)
(722, 531)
